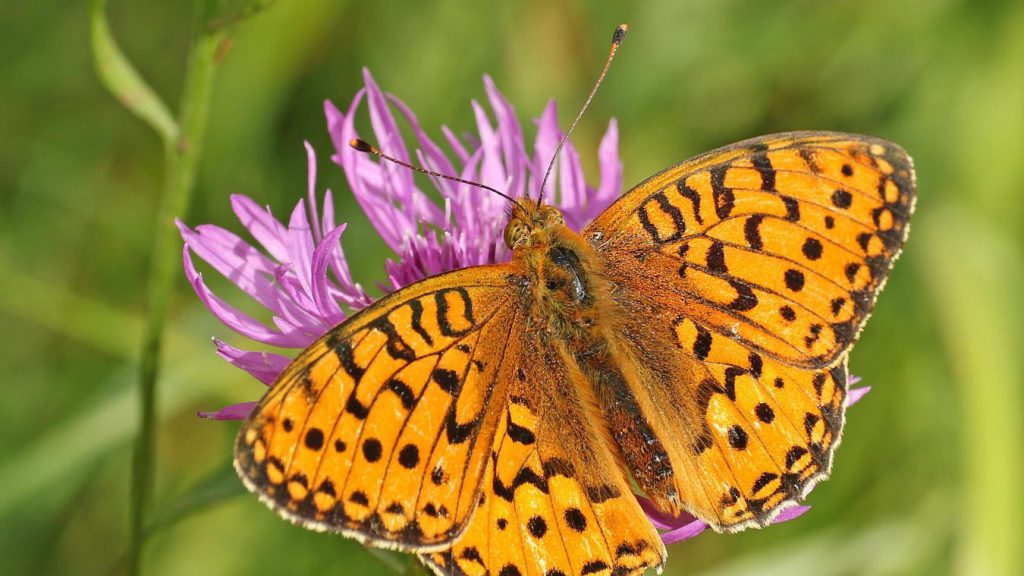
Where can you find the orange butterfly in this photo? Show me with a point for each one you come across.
(691, 340)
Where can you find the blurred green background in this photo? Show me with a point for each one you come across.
(928, 478)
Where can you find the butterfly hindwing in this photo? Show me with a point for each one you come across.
(554, 499)
(380, 430)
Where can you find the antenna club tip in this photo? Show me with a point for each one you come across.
(620, 34)
(360, 145)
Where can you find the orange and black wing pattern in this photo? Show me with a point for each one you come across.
(758, 265)
(554, 499)
(382, 429)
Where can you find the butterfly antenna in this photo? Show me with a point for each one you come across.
(617, 37)
(364, 146)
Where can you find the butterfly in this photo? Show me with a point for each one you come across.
(690, 343)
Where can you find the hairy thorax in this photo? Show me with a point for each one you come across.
(568, 296)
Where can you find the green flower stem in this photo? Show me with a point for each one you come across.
(182, 140)
(181, 161)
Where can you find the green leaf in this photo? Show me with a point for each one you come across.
(122, 80)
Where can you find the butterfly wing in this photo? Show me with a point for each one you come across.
(435, 422)
(749, 272)
(783, 242)
(554, 498)
(381, 429)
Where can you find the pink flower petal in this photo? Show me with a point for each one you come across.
(335, 126)
(314, 218)
(262, 225)
(264, 366)
(492, 169)
(238, 411)
(856, 394)
(433, 157)
(544, 147)
(456, 145)
(687, 526)
(366, 180)
(684, 532)
(326, 306)
(611, 173)
(230, 316)
(572, 191)
(234, 259)
(791, 513)
(389, 137)
(510, 134)
(662, 521)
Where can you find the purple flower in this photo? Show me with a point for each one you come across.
(300, 273)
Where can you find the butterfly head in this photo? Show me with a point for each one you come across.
(530, 225)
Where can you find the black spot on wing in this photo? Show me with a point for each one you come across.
(669, 210)
(763, 480)
(745, 297)
(409, 456)
(792, 208)
(403, 391)
(396, 346)
(518, 434)
(314, 439)
(763, 165)
(537, 526)
(751, 231)
(702, 343)
(593, 567)
(443, 322)
(724, 198)
(372, 449)
(694, 198)
(716, 258)
(842, 198)
(764, 413)
(576, 520)
(738, 437)
(417, 321)
(343, 349)
(812, 248)
(794, 280)
(447, 379)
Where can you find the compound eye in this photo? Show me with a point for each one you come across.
(514, 233)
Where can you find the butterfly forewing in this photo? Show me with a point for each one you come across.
(380, 429)
(781, 242)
